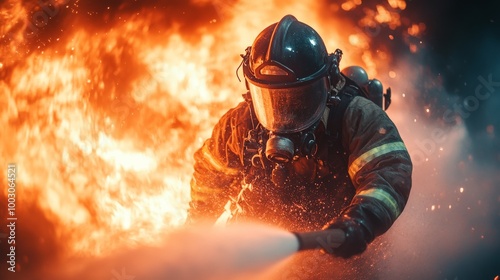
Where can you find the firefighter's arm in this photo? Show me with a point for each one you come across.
(380, 169)
(217, 170)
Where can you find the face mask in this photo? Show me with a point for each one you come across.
(283, 148)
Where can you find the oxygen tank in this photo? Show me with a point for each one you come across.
(375, 92)
(373, 88)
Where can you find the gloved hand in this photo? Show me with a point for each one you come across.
(358, 232)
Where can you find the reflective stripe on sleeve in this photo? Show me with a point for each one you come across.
(216, 163)
(365, 158)
(384, 197)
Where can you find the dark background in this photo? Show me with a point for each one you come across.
(462, 42)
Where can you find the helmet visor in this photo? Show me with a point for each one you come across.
(289, 109)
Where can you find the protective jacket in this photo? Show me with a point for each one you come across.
(369, 170)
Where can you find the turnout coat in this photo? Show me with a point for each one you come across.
(367, 167)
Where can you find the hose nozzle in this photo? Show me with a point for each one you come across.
(327, 239)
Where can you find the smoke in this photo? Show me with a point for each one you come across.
(450, 228)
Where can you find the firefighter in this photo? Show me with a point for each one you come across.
(305, 150)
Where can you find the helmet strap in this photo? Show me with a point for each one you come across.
(244, 60)
(334, 76)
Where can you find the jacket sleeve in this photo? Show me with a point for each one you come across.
(379, 165)
(217, 168)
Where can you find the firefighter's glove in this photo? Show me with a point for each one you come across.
(358, 232)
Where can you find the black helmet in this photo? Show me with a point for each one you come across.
(286, 70)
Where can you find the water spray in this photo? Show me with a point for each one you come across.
(206, 253)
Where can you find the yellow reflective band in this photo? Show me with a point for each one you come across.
(216, 163)
(365, 158)
(383, 197)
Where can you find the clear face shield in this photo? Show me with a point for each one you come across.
(289, 109)
(290, 115)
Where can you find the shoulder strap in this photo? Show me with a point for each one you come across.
(336, 118)
(336, 115)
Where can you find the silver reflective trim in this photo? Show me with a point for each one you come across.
(365, 158)
(384, 197)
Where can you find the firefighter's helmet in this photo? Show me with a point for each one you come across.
(286, 70)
